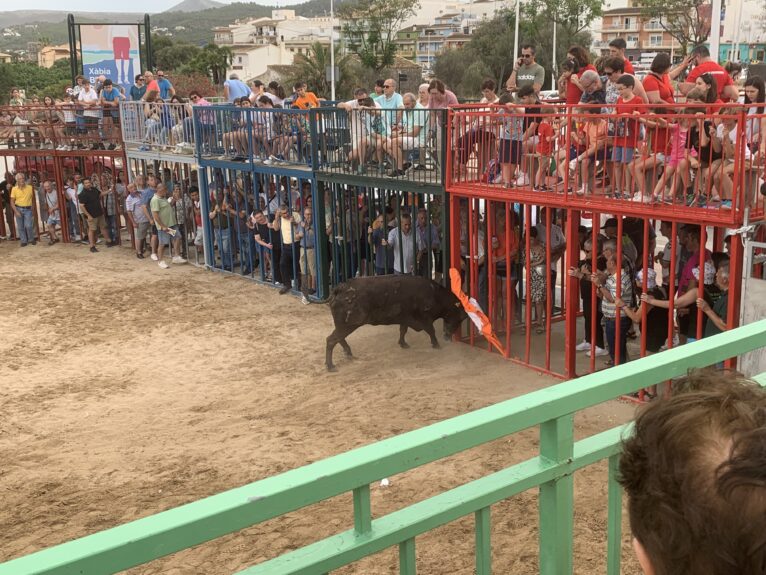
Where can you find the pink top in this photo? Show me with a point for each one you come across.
(678, 137)
(445, 101)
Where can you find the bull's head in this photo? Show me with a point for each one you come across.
(454, 317)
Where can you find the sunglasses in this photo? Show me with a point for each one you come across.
(526, 55)
(139, 80)
(160, 75)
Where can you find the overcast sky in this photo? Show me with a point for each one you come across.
(150, 6)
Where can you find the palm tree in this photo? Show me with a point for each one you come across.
(312, 68)
(217, 60)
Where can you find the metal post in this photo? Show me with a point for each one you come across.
(332, 51)
(553, 59)
(715, 27)
(516, 33)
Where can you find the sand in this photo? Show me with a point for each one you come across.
(126, 390)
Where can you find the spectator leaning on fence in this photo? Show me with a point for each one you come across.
(694, 475)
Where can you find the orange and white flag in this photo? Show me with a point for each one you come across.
(473, 309)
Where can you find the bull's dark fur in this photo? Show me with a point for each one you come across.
(403, 300)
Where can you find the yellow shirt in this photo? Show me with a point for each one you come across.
(22, 196)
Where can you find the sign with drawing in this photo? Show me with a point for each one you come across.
(111, 50)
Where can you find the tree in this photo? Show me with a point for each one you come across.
(212, 60)
(312, 69)
(688, 21)
(371, 26)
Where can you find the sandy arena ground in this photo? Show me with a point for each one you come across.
(126, 390)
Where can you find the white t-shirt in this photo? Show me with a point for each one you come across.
(89, 97)
(733, 139)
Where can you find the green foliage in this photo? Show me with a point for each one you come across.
(169, 55)
(489, 53)
(211, 61)
(311, 68)
(682, 19)
(370, 28)
(35, 81)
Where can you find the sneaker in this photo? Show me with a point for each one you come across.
(99, 241)
(268, 161)
(140, 256)
(93, 250)
(154, 257)
(522, 180)
(304, 299)
(178, 260)
(23, 244)
(583, 346)
(163, 264)
(111, 244)
(582, 191)
(599, 352)
(284, 290)
(34, 242)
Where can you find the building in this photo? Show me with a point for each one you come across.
(5, 58)
(262, 42)
(450, 30)
(642, 35)
(48, 55)
(743, 36)
(406, 41)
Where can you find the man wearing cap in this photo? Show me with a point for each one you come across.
(234, 88)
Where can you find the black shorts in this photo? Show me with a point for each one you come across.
(154, 229)
(510, 151)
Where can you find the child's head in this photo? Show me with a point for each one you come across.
(548, 114)
(729, 116)
(526, 94)
(695, 96)
(569, 67)
(590, 114)
(625, 85)
(505, 98)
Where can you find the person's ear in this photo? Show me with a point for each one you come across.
(643, 558)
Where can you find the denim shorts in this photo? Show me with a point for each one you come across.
(622, 154)
(164, 237)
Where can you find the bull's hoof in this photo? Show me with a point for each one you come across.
(436, 345)
(404, 345)
(331, 368)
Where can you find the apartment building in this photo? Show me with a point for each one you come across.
(262, 42)
(642, 35)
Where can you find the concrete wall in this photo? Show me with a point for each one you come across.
(754, 303)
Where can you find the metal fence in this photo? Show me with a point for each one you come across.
(699, 161)
(158, 125)
(552, 409)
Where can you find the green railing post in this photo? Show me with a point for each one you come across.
(614, 519)
(556, 499)
(407, 561)
(483, 530)
(362, 510)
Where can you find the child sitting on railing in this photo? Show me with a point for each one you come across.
(595, 139)
(675, 173)
(725, 141)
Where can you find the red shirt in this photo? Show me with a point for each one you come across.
(588, 67)
(153, 87)
(722, 78)
(627, 130)
(653, 83)
(545, 131)
(629, 67)
(573, 93)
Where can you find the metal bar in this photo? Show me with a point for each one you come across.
(614, 519)
(407, 558)
(483, 532)
(362, 510)
(556, 511)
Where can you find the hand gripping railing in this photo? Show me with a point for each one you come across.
(551, 408)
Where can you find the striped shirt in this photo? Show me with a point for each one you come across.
(626, 293)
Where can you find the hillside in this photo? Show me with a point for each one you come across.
(194, 6)
(198, 17)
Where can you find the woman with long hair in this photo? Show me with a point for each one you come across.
(755, 124)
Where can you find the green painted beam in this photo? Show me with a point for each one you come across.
(483, 535)
(399, 526)
(614, 519)
(182, 527)
(408, 564)
(556, 508)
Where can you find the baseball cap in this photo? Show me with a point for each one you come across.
(610, 223)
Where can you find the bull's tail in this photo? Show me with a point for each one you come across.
(336, 290)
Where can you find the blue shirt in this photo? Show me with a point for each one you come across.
(237, 89)
(165, 87)
(146, 197)
(137, 93)
(393, 103)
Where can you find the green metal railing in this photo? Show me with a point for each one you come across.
(551, 408)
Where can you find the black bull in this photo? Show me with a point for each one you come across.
(407, 301)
